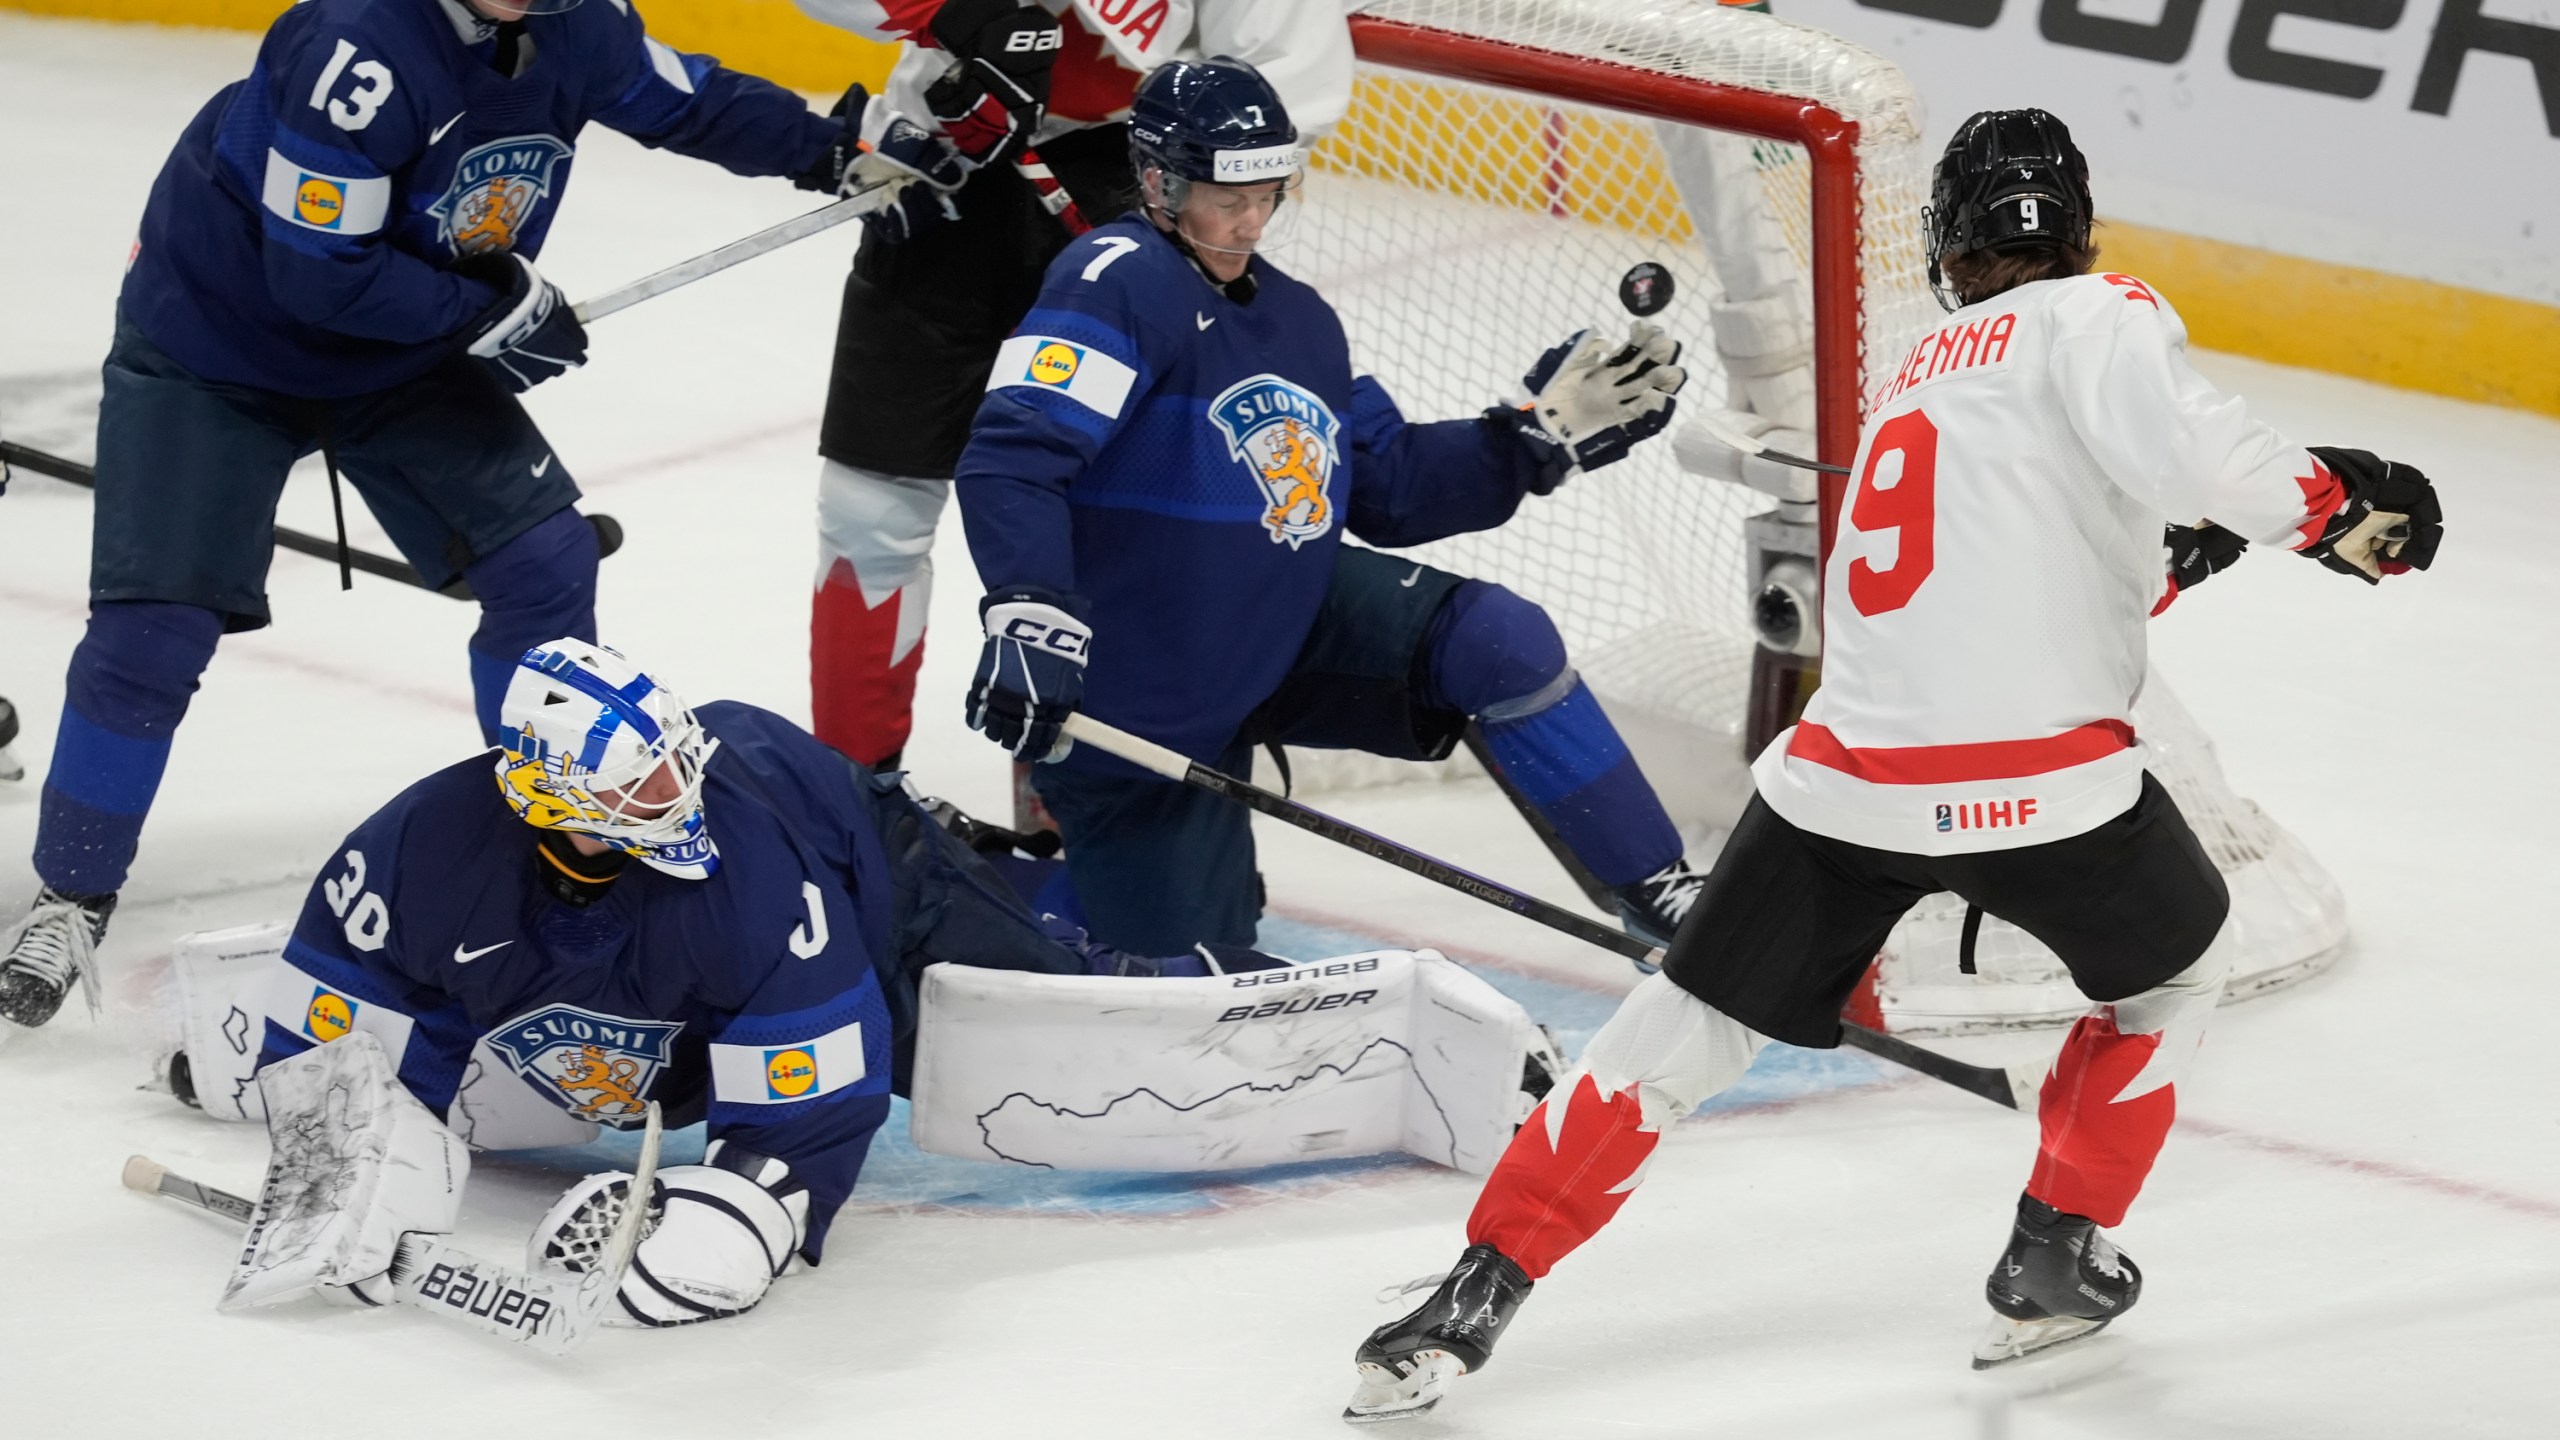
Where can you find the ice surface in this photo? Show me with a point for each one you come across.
(2353, 1233)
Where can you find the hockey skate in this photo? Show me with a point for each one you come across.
(2060, 1280)
(1652, 908)
(1405, 1367)
(53, 946)
(10, 768)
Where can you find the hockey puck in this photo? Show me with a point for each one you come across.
(608, 534)
(1645, 289)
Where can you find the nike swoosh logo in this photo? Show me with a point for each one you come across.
(1204, 321)
(1409, 579)
(465, 957)
(438, 133)
(540, 466)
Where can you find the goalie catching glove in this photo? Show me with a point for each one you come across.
(718, 1234)
(1589, 400)
(2389, 524)
(905, 171)
(1031, 673)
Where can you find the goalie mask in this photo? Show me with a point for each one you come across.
(2009, 180)
(590, 745)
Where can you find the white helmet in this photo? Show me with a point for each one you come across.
(581, 732)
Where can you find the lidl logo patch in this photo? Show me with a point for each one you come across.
(1055, 363)
(328, 1016)
(321, 202)
(789, 1074)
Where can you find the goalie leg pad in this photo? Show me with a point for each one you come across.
(1585, 1148)
(221, 978)
(867, 615)
(356, 1163)
(1356, 1055)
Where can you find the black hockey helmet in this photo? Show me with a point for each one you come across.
(1215, 122)
(2009, 180)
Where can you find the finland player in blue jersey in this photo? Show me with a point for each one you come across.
(643, 902)
(1171, 451)
(338, 256)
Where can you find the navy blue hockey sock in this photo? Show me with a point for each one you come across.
(1498, 658)
(130, 681)
(538, 587)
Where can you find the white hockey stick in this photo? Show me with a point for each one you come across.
(712, 262)
(549, 1311)
(1748, 446)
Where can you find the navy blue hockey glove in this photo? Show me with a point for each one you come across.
(1588, 401)
(530, 335)
(1031, 673)
(990, 104)
(2198, 552)
(2390, 524)
(907, 171)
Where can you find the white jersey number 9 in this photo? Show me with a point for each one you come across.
(358, 109)
(1908, 508)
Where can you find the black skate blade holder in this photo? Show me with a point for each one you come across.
(2014, 1088)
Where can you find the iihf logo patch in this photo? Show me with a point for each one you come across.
(1290, 440)
(1946, 818)
(596, 1067)
(494, 191)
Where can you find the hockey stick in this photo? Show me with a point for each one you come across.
(2013, 1089)
(549, 1311)
(1748, 446)
(608, 529)
(736, 252)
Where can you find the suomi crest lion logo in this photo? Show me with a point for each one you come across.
(494, 191)
(1291, 442)
(596, 1067)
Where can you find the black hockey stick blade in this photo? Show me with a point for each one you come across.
(608, 529)
(1997, 1086)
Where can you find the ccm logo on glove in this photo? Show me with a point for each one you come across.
(1056, 639)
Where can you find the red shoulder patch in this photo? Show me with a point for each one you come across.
(2133, 289)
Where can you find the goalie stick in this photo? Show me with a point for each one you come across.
(608, 530)
(2014, 1087)
(549, 1311)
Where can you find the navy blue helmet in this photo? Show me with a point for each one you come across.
(2010, 179)
(1214, 122)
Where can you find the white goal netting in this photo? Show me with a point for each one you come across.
(1466, 215)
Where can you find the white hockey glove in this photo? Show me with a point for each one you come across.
(1589, 400)
(718, 1234)
(357, 1163)
(1701, 447)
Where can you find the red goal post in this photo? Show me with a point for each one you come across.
(1829, 141)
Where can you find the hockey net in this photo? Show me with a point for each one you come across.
(1503, 164)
